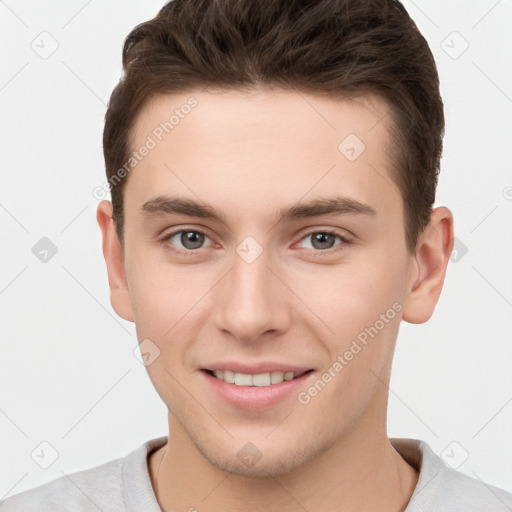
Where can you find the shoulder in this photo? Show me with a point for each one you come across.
(115, 486)
(97, 488)
(458, 491)
(441, 488)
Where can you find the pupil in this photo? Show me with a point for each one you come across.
(191, 239)
(323, 238)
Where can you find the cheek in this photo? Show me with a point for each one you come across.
(163, 309)
(161, 293)
(362, 311)
(346, 299)
(169, 309)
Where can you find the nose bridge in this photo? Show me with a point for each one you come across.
(251, 300)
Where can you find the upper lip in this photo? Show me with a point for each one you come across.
(256, 368)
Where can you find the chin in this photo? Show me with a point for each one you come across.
(251, 462)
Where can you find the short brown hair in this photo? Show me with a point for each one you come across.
(336, 47)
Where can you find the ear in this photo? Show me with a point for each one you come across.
(114, 258)
(435, 245)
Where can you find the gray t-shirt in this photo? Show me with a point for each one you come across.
(124, 485)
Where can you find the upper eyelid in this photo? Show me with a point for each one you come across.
(180, 230)
(311, 231)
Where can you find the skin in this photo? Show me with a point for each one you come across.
(248, 155)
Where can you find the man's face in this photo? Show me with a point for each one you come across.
(256, 294)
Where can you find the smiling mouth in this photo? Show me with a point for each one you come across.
(259, 380)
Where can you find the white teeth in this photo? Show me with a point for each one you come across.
(260, 379)
(243, 379)
(228, 376)
(276, 377)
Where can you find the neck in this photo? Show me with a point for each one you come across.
(362, 471)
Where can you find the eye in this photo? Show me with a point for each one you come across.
(190, 240)
(324, 240)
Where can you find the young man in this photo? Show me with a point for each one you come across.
(273, 167)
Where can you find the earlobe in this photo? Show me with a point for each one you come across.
(114, 259)
(433, 251)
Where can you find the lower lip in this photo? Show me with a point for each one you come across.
(256, 397)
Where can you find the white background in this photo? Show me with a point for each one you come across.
(67, 369)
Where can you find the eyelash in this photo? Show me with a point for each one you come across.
(317, 252)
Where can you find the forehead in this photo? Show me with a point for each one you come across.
(281, 112)
(265, 145)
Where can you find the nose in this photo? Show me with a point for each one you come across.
(252, 301)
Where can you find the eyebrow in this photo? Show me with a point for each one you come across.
(338, 205)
